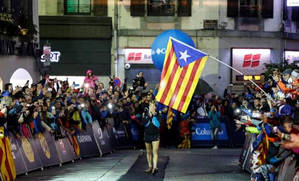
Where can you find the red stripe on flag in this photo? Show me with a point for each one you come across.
(167, 63)
(186, 92)
(169, 82)
(7, 165)
(178, 86)
(1, 158)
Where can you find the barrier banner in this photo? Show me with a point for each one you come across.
(202, 132)
(17, 156)
(65, 150)
(287, 169)
(121, 136)
(46, 147)
(248, 159)
(245, 150)
(87, 143)
(111, 132)
(29, 153)
(102, 138)
(107, 140)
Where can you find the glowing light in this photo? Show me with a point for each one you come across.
(257, 77)
(247, 77)
(110, 106)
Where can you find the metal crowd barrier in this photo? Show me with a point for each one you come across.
(43, 150)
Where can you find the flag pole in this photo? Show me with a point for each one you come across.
(214, 58)
(268, 96)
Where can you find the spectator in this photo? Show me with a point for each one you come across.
(214, 117)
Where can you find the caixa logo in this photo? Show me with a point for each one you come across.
(251, 60)
(159, 51)
(134, 56)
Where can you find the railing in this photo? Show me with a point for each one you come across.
(17, 47)
(17, 34)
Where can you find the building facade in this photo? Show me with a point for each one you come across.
(18, 42)
(81, 31)
(234, 31)
(104, 34)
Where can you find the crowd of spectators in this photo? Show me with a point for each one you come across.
(53, 105)
(272, 118)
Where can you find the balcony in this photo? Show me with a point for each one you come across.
(18, 35)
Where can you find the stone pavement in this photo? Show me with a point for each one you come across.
(190, 165)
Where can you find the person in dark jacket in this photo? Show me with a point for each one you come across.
(139, 81)
(151, 137)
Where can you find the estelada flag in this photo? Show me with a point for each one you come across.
(76, 145)
(170, 116)
(182, 68)
(7, 165)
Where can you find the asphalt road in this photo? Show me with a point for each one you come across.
(190, 165)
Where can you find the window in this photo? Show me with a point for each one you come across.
(77, 7)
(160, 7)
(250, 8)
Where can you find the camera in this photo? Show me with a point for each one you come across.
(127, 66)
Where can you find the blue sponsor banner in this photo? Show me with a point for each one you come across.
(202, 132)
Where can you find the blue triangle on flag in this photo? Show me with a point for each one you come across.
(185, 53)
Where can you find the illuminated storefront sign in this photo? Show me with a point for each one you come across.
(54, 57)
(250, 62)
(291, 56)
(138, 55)
(293, 3)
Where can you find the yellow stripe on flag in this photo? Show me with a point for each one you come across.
(183, 86)
(7, 167)
(173, 83)
(194, 84)
(168, 70)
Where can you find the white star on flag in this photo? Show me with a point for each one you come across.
(184, 55)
